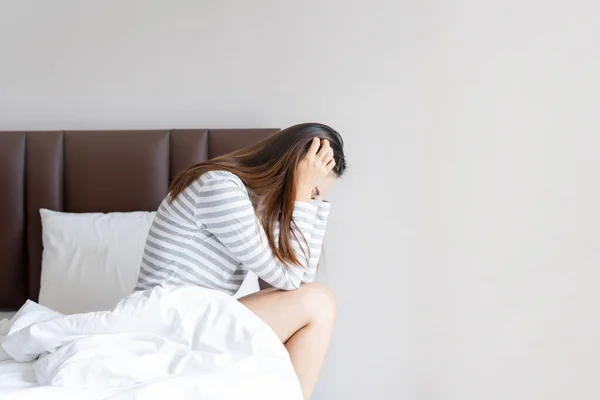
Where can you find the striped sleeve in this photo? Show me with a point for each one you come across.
(316, 240)
(224, 209)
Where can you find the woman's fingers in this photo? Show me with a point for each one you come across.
(330, 164)
(314, 147)
(325, 147)
(328, 157)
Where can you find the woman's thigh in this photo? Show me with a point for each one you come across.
(285, 312)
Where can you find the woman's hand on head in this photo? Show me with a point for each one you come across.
(313, 168)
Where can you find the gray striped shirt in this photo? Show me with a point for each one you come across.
(209, 236)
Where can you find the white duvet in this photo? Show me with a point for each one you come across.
(177, 343)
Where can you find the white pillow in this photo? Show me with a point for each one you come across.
(90, 261)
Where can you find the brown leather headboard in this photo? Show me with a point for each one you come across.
(88, 171)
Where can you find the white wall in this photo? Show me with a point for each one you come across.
(507, 294)
(462, 246)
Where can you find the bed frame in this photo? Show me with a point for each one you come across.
(88, 171)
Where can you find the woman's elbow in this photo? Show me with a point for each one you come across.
(290, 285)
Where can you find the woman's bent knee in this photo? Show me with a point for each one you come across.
(320, 300)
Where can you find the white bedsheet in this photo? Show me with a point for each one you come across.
(175, 343)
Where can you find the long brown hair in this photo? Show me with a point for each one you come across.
(268, 170)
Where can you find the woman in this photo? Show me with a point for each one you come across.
(258, 209)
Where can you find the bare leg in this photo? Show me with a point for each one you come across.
(303, 319)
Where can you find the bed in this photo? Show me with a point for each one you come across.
(104, 172)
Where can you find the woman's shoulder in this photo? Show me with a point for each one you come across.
(219, 177)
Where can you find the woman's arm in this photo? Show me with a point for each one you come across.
(224, 209)
(316, 240)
